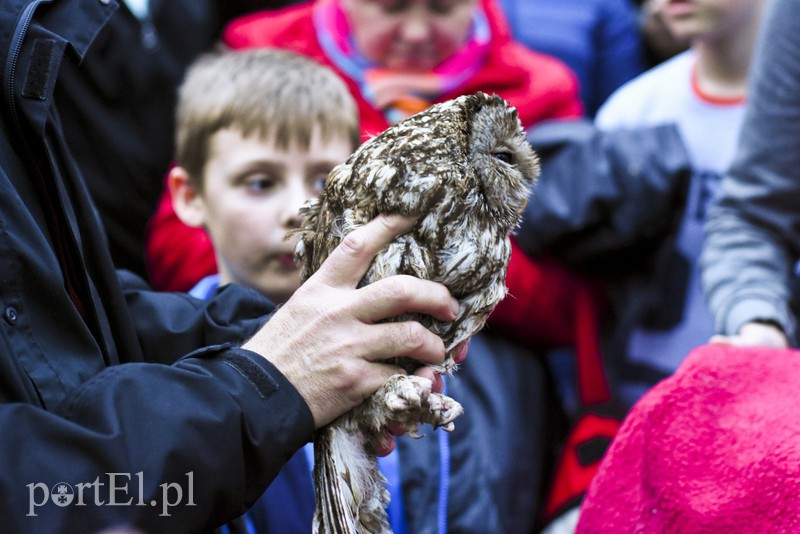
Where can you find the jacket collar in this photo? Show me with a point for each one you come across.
(69, 25)
(34, 37)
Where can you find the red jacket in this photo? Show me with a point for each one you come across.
(540, 87)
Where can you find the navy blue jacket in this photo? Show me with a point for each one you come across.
(84, 391)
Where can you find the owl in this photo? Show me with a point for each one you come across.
(465, 170)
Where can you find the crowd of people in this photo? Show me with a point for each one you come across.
(165, 369)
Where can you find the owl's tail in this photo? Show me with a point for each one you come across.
(351, 492)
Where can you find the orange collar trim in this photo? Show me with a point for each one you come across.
(711, 99)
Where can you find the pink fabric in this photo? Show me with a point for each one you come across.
(713, 449)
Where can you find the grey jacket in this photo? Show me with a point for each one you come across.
(753, 232)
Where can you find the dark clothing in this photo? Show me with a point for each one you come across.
(117, 109)
(502, 388)
(484, 477)
(70, 414)
(608, 205)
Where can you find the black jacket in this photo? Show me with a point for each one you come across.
(608, 204)
(117, 108)
(70, 414)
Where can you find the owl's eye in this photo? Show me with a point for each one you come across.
(504, 156)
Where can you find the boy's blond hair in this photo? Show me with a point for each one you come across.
(277, 95)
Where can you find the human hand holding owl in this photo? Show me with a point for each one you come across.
(327, 339)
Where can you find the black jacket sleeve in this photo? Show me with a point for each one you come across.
(604, 199)
(93, 432)
(169, 325)
(178, 448)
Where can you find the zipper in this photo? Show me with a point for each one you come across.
(20, 30)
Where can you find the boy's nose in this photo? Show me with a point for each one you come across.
(298, 195)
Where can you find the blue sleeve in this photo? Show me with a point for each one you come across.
(288, 504)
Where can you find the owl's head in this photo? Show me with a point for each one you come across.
(470, 150)
(504, 163)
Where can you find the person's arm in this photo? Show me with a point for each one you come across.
(603, 196)
(753, 230)
(169, 325)
(591, 216)
(178, 448)
(185, 447)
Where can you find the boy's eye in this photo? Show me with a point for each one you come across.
(319, 183)
(259, 183)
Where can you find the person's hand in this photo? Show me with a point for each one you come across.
(755, 335)
(327, 339)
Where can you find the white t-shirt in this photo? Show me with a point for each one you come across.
(139, 8)
(710, 129)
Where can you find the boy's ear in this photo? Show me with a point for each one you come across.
(186, 199)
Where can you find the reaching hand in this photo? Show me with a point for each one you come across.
(327, 339)
(755, 335)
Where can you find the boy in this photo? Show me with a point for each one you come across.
(258, 131)
(702, 91)
(250, 153)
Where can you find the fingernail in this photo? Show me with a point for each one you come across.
(455, 306)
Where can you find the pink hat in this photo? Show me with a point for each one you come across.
(714, 448)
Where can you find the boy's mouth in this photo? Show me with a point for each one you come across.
(287, 261)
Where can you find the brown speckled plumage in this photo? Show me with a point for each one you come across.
(465, 169)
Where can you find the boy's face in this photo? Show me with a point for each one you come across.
(708, 19)
(251, 197)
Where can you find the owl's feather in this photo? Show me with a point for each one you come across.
(464, 168)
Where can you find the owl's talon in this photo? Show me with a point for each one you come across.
(406, 393)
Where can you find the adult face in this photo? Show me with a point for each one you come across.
(409, 35)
